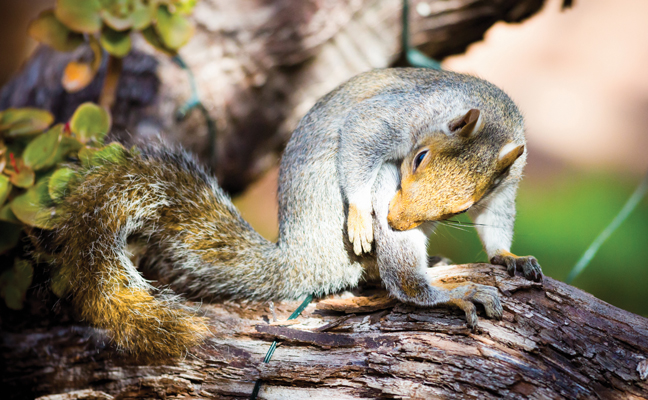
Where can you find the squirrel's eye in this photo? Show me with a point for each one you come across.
(418, 159)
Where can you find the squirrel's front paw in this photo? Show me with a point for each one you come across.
(360, 229)
(529, 265)
(466, 295)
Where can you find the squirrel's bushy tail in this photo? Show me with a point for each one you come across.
(152, 195)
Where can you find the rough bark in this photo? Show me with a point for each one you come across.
(554, 342)
(259, 66)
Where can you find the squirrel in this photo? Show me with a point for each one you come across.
(389, 152)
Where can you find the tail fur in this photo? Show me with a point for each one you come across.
(153, 194)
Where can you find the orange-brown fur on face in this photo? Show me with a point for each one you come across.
(455, 174)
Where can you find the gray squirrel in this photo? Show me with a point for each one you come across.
(387, 153)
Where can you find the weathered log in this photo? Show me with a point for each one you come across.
(554, 342)
(259, 67)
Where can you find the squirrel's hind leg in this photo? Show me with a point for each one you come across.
(402, 261)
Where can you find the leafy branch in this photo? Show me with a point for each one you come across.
(106, 26)
(35, 161)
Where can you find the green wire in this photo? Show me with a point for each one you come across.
(273, 346)
(194, 102)
(414, 57)
(603, 236)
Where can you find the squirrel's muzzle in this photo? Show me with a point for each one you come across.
(401, 215)
(406, 213)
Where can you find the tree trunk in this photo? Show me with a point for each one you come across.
(554, 342)
(259, 66)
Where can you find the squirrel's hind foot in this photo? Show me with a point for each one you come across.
(466, 295)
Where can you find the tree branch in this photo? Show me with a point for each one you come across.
(554, 341)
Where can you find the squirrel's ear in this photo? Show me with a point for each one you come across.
(509, 153)
(467, 125)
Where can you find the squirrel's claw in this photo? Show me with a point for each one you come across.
(531, 268)
(489, 298)
(466, 295)
(529, 265)
(360, 230)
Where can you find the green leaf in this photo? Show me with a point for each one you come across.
(68, 145)
(142, 14)
(7, 215)
(5, 188)
(50, 31)
(39, 153)
(112, 153)
(116, 21)
(116, 43)
(30, 208)
(90, 123)
(12, 116)
(24, 178)
(26, 121)
(122, 15)
(79, 15)
(185, 6)
(174, 29)
(14, 283)
(152, 37)
(85, 156)
(58, 183)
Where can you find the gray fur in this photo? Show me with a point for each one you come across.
(350, 143)
(343, 141)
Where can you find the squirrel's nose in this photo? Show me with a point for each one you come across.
(395, 217)
(402, 224)
(398, 217)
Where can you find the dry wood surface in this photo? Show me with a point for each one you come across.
(554, 342)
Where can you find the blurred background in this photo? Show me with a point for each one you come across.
(579, 76)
